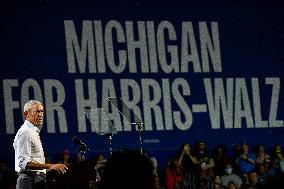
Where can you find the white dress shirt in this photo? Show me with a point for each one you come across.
(28, 147)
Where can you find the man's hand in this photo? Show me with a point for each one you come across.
(60, 168)
(280, 156)
(243, 157)
(186, 150)
(100, 164)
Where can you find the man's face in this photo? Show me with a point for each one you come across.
(253, 177)
(35, 114)
(201, 146)
(245, 148)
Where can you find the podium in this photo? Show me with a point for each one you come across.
(77, 176)
(81, 173)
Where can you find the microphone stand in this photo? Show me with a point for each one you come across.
(139, 125)
(125, 110)
(104, 125)
(110, 142)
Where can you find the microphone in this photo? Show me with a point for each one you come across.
(81, 144)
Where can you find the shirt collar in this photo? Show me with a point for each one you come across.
(31, 126)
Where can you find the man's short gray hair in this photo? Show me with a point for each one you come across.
(28, 105)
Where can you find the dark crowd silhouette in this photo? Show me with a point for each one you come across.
(240, 166)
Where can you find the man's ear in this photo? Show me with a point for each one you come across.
(26, 113)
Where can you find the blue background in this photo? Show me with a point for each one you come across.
(32, 43)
